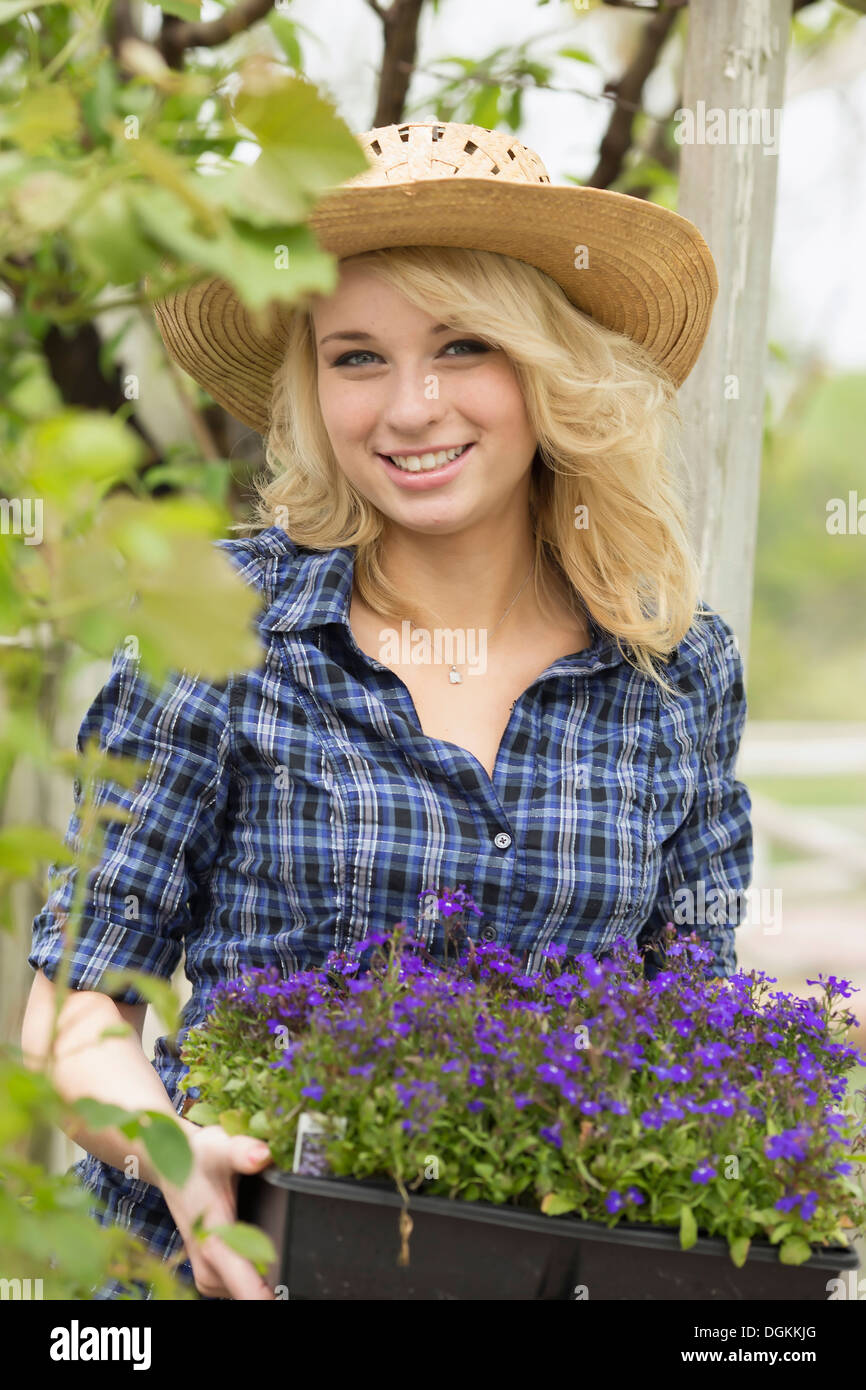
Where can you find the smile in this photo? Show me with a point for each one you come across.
(425, 463)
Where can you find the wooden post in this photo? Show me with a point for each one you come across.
(733, 87)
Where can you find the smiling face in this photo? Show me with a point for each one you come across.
(399, 383)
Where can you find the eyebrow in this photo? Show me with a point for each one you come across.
(354, 336)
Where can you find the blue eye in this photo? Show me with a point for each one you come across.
(346, 359)
(471, 343)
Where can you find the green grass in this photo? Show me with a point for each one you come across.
(832, 789)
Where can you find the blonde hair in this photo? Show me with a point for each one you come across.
(603, 415)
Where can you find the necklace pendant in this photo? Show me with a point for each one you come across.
(454, 676)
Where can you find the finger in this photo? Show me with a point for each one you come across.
(248, 1154)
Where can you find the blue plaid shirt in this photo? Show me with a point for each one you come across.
(290, 809)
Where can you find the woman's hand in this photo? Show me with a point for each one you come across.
(210, 1191)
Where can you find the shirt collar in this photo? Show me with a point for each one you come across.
(321, 587)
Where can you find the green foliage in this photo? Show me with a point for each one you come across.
(489, 91)
(808, 581)
(103, 184)
(249, 1242)
(46, 1230)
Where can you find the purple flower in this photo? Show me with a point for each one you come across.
(552, 1134)
(314, 1090)
(635, 1195)
(704, 1173)
(554, 951)
(550, 1073)
(842, 987)
(521, 1101)
(475, 1105)
(614, 1202)
(373, 938)
(791, 1143)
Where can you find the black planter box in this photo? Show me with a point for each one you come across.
(338, 1238)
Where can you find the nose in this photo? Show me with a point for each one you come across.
(412, 401)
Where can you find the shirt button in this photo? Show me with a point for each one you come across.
(487, 934)
(502, 841)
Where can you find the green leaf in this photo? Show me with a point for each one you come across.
(203, 1112)
(45, 198)
(285, 33)
(249, 1241)
(23, 848)
(794, 1251)
(235, 1121)
(182, 9)
(247, 257)
(579, 55)
(167, 1147)
(80, 449)
(485, 108)
(645, 1156)
(780, 1232)
(10, 9)
(97, 1114)
(739, 1249)
(688, 1228)
(586, 1175)
(557, 1203)
(166, 546)
(118, 1030)
(108, 240)
(40, 116)
(194, 1078)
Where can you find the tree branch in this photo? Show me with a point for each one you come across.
(177, 34)
(400, 23)
(627, 91)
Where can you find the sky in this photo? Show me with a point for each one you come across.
(818, 293)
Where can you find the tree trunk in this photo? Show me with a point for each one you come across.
(735, 59)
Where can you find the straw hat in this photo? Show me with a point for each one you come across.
(631, 265)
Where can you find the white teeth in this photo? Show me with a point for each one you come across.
(415, 463)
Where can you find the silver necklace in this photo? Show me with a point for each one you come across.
(454, 675)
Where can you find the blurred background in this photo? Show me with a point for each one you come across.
(559, 75)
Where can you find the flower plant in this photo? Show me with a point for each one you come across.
(582, 1087)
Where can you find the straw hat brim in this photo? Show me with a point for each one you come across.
(648, 274)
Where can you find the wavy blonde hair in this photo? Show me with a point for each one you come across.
(604, 417)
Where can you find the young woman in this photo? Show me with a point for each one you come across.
(485, 660)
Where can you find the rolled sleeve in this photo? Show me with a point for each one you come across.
(138, 900)
(707, 864)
